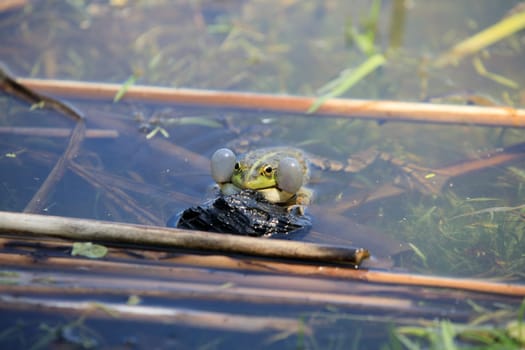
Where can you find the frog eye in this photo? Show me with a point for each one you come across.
(223, 162)
(290, 175)
(267, 170)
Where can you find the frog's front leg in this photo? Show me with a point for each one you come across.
(300, 201)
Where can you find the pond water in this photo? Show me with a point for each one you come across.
(472, 226)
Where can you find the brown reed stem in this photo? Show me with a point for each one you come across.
(364, 109)
(442, 175)
(12, 87)
(57, 132)
(40, 198)
(186, 316)
(47, 226)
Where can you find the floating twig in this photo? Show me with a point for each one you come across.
(120, 197)
(195, 283)
(364, 109)
(115, 188)
(11, 86)
(37, 100)
(7, 5)
(108, 120)
(482, 286)
(58, 132)
(437, 178)
(208, 263)
(186, 316)
(39, 200)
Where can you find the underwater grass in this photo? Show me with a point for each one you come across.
(487, 37)
(507, 334)
(366, 43)
(348, 79)
(480, 68)
(450, 235)
(124, 88)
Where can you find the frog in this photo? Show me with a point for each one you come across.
(278, 173)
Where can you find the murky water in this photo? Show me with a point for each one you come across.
(472, 226)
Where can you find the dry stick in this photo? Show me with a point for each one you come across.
(138, 261)
(208, 283)
(14, 88)
(6, 5)
(490, 159)
(39, 199)
(185, 316)
(203, 290)
(80, 229)
(442, 176)
(365, 109)
(116, 194)
(199, 268)
(481, 286)
(171, 149)
(114, 188)
(167, 147)
(101, 179)
(11, 86)
(110, 181)
(200, 284)
(58, 132)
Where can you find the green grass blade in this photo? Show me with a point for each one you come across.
(487, 37)
(500, 79)
(352, 78)
(124, 88)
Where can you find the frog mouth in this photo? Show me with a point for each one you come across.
(254, 188)
(256, 184)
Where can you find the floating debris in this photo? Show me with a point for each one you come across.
(89, 250)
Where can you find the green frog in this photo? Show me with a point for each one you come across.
(278, 173)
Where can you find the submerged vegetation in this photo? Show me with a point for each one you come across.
(480, 333)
